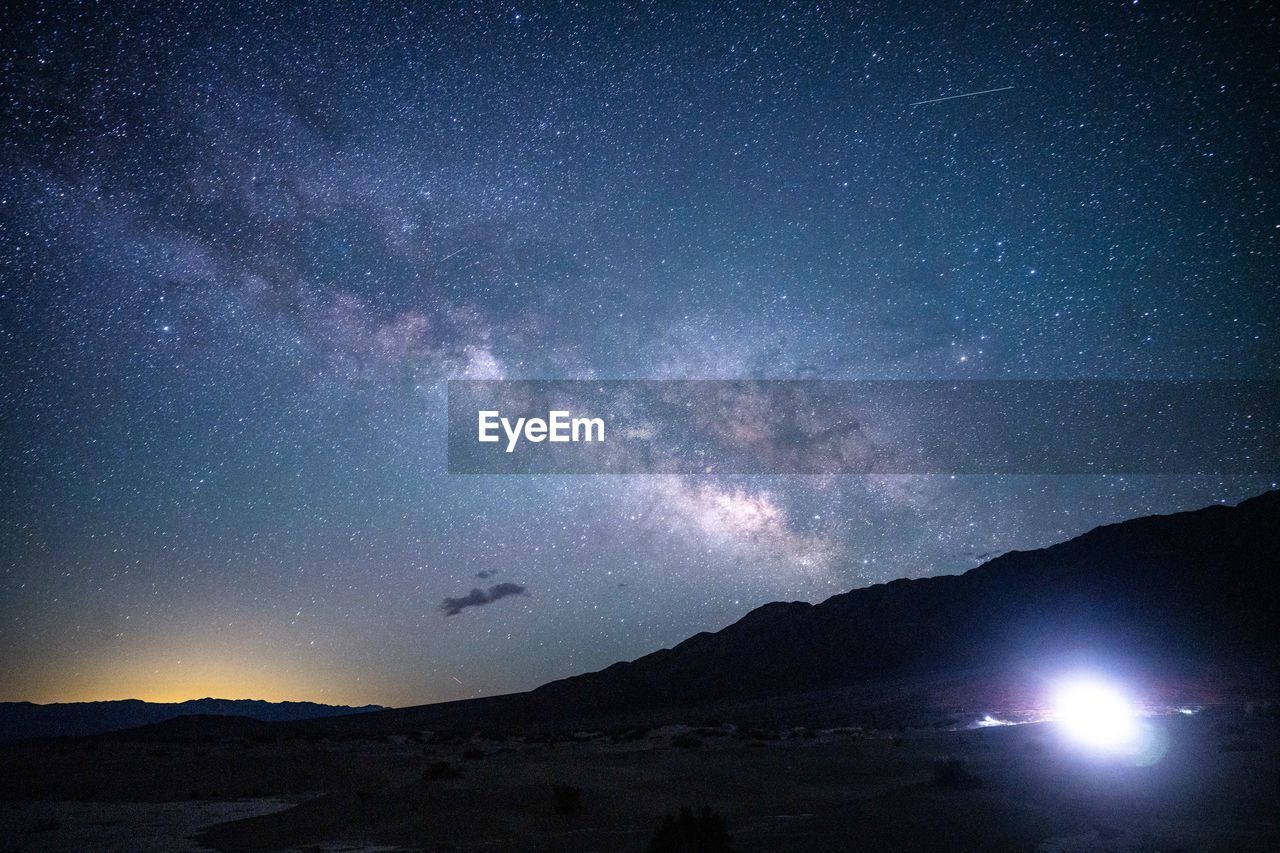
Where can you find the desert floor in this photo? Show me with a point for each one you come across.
(1205, 782)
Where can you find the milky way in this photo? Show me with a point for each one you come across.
(243, 247)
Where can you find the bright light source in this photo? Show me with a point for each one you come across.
(1096, 714)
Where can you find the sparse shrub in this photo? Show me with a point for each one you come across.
(954, 773)
(686, 740)
(566, 798)
(440, 770)
(704, 832)
(473, 754)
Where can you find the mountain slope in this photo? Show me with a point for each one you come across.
(1190, 590)
(27, 720)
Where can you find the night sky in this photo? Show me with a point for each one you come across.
(242, 249)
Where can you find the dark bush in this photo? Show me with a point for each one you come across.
(686, 832)
(473, 754)
(954, 773)
(686, 740)
(440, 770)
(567, 798)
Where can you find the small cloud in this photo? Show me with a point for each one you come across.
(479, 597)
(486, 574)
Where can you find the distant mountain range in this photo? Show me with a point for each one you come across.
(1193, 594)
(27, 720)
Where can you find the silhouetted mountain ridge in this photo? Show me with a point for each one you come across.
(28, 720)
(1190, 589)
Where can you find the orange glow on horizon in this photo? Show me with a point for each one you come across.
(195, 668)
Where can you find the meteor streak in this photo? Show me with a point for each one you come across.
(965, 95)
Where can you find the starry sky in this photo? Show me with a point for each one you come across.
(243, 247)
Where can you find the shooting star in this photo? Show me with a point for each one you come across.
(965, 95)
(451, 254)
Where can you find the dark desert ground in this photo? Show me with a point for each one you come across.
(778, 789)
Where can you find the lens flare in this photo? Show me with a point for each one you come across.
(1096, 714)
